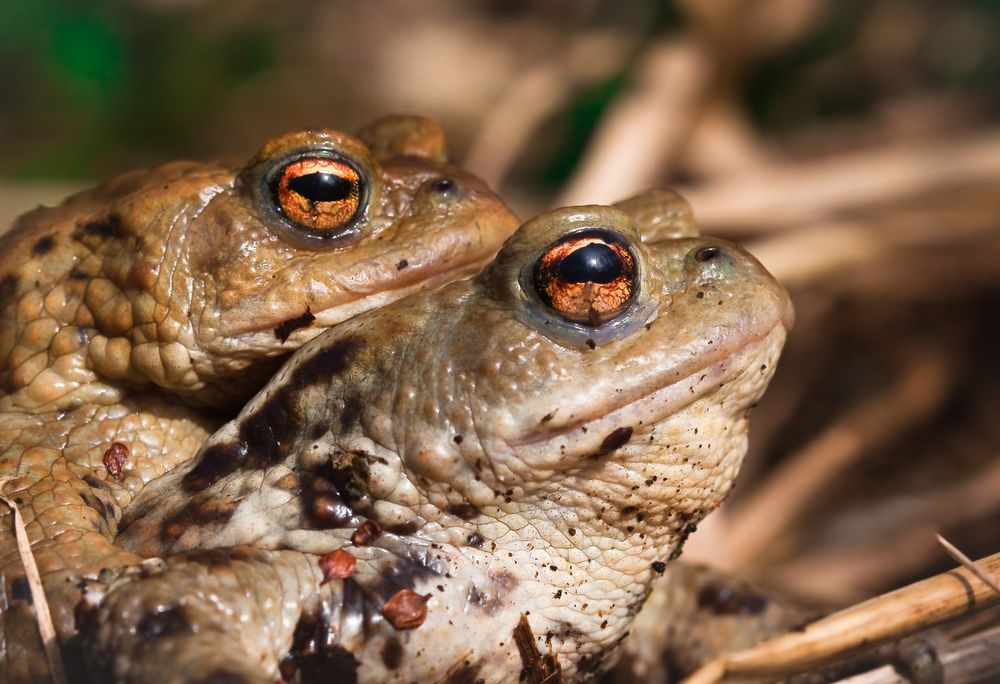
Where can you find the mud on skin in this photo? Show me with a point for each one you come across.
(536, 441)
(137, 317)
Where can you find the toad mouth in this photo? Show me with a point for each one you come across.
(600, 430)
(330, 315)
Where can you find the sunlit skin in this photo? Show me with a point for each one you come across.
(481, 456)
(137, 317)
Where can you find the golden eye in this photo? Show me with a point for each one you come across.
(587, 277)
(320, 194)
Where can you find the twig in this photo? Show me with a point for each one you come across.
(966, 562)
(811, 254)
(890, 616)
(535, 95)
(788, 195)
(642, 132)
(45, 626)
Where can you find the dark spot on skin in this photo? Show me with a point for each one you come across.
(266, 435)
(723, 600)
(212, 510)
(8, 288)
(475, 540)
(366, 535)
(205, 511)
(700, 295)
(615, 439)
(658, 567)
(20, 590)
(170, 621)
(115, 458)
(86, 616)
(457, 439)
(350, 414)
(76, 274)
(591, 344)
(332, 361)
(322, 503)
(110, 228)
(225, 557)
(95, 503)
(685, 532)
(465, 510)
(403, 263)
(536, 668)
(466, 674)
(94, 483)
(286, 328)
(222, 677)
(592, 662)
(403, 529)
(392, 653)
(316, 657)
(215, 463)
(43, 246)
(548, 416)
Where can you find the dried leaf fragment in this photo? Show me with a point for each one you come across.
(337, 564)
(406, 609)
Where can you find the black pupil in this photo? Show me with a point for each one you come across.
(321, 187)
(593, 263)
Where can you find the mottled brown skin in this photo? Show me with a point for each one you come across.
(480, 456)
(136, 317)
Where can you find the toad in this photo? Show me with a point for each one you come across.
(478, 483)
(137, 317)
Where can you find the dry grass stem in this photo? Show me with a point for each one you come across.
(890, 616)
(788, 195)
(641, 134)
(536, 95)
(45, 626)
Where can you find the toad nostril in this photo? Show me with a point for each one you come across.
(706, 253)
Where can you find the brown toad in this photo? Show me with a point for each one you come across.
(138, 316)
(464, 483)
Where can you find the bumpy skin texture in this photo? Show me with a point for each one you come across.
(144, 312)
(515, 464)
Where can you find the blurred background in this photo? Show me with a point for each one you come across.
(853, 145)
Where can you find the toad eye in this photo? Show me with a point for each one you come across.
(588, 277)
(319, 194)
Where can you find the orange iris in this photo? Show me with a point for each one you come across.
(586, 278)
(319, 194)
